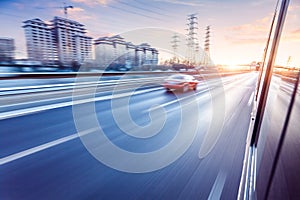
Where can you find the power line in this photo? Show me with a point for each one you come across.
(141, 8)
(65, 8)
(149, 5)
(133, 12)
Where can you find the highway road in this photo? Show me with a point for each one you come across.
(43, 157)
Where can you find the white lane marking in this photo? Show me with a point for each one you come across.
(49, 99)
(218, 186)
(250, 99)
(42, 147)
(171, 102)
(186, 104)
(44, 88)
(177, 100)
(36, 86)
(71, 85)
(26, 111)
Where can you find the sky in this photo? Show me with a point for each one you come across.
(239, 28)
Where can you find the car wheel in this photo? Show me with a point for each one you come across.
(195, 88)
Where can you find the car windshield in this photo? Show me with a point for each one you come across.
(139, 99)
(177, 77)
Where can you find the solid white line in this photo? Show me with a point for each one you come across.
(42, 147)
(218, 186)
(26, 111)
(46, 100)
(177, 100)
(250, 99)
(47, 88)
(70, 85)
(171, 102)
(43, 86)
(59, 87)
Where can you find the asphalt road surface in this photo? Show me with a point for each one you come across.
(42, 156)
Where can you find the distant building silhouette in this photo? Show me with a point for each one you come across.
(7, 49)
(62, 42)
(114, 52)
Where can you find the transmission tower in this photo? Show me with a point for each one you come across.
(197, 53)
(174, 42)
(192, 38)
(207, 40)
(206, 46)
(288, 63)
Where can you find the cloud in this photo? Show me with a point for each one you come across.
(258, 3)
(249, 28)
(185, 3)
(297, 32)
(76, 13)
(246, 40)
(294, 8)
(292, 36)
(259, 26)
(19, 6)
(92, 3)
(250, 33)
(76, 10)
(81, 18)
(79, 14)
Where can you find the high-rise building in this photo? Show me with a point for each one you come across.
(7, 49)
(40, 41)
(72, 43)
(61, 41)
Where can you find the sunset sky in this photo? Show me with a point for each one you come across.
(239, 27)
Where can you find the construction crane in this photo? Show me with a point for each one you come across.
(65, 8)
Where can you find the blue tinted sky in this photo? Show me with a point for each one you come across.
(239, 27)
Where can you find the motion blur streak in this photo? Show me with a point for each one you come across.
(68, 171)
